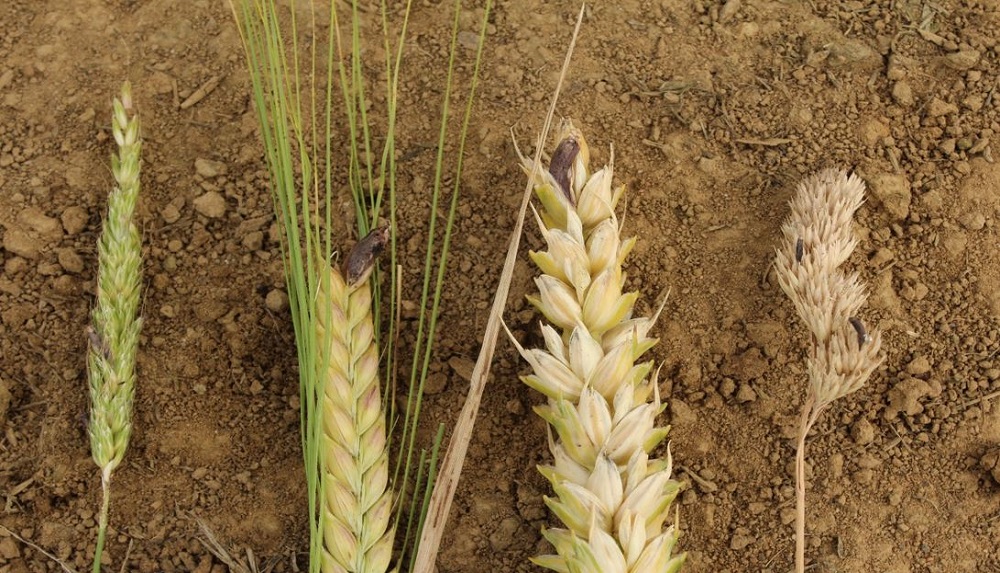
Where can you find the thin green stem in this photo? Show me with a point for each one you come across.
(359, 92)
(421, 362)
(102, 520)
(419, 517)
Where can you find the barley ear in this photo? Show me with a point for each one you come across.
(357, 502)
(612, 498)
(115, 326)
(817, 239)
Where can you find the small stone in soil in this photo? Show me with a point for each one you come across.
(918, 366)
(208, 168)
(741, 539)
(893, 192)
(276, 300)
(435, 383)
(70, 260)
(211, 205)
(170, 213)
(74, 219)
(746, 394)
(863, 432)
(20, 243)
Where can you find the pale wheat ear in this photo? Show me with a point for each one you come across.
(817, 239)
(603, 431)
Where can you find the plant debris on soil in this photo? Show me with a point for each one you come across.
(715, 109)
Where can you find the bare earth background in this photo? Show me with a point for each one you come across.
(715, 111)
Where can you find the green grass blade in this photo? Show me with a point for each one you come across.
(417, 519)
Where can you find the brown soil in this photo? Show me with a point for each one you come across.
(715, 110)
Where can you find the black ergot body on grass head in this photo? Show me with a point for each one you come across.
(561, 163)
(859, 327)
(361, 259)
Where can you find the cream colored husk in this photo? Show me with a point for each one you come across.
(611, 496)
(357, 504)
(817, 240)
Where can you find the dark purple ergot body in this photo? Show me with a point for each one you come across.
(97, 343)
(860, 329)
(562, 160)
(361, 260)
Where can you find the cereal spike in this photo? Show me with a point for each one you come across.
(843, 354)
(611, 496)
(826, 299)
(354, 461)
(114, 332)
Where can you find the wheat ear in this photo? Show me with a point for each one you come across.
(817, 240)
(612, 498)
(114, 332)
(357, 502)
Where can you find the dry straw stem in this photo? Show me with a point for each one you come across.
(611, 496)
(114, 332)
(817, 240)
(356, 500)
(451, 467)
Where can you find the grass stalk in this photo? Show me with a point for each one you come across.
(115, 325)
(427, 322)
(446, 484)
(817, 240)
(102, 520)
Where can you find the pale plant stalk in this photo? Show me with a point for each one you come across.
(611, 496)
(356, 502)
(114, 332)
(817, 239)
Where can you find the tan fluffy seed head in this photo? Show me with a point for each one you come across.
(817, 239)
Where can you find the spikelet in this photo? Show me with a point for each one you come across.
(612, 498)
(357, 504)
(817, 240)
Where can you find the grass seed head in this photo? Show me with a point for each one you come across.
(115, 327)
(357, 507)
(115, 324)
(612, 499)
(817, 239)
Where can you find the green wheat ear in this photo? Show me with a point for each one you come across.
(114, 332)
